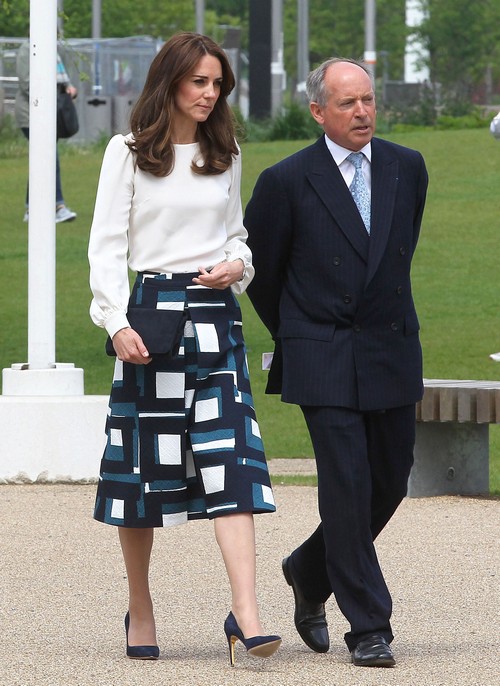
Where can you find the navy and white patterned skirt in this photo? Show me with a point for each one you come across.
(182, 437)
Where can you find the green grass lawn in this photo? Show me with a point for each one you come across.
(455, 273)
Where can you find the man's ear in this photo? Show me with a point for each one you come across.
(317, 113)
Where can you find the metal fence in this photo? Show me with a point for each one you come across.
(8, 79)
(108, 73)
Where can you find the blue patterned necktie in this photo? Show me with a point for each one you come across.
(359, 190)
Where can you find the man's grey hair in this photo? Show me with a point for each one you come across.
(315, 84)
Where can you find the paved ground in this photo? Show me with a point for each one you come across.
(63, 597)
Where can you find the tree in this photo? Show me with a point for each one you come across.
(337, 26)
(463, 40)
(129, 18)
(14, 21)
(463, 37)
(338, 29)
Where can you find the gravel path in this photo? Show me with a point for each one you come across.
(63, 592)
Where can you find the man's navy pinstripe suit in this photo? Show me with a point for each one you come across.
(339, 307)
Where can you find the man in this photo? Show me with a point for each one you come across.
(334, 291)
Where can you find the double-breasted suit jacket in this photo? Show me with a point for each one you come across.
(337, 301)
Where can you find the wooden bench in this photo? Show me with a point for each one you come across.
(452, 446)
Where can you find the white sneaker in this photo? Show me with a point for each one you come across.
(26, 216)
(495, 357)
(64, 214)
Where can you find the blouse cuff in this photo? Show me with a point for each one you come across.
(117, 321)
(240, 286)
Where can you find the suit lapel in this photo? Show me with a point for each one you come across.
(327, 181)
(384, 171)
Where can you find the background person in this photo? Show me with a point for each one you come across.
(183, 441)
(334, 291)
(22, 112)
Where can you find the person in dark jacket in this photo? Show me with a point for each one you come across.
(333, 236)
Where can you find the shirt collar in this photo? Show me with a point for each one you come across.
(340, 154)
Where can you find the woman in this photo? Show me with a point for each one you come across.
(183, 442)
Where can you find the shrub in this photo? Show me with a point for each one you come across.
(468, 121)
(296, 123)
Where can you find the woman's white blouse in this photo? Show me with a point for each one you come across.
(170, 224)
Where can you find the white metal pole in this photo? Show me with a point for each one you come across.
(41, 375)
(200, 16)
(277, 67)
(42, 180)
(96, 35)
(370, 36)
(302, 42)
(60, 18)
(96, 19)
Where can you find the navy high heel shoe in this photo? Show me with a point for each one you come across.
(140, 652)
(259, 646)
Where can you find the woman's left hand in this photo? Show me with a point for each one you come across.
(222, 275)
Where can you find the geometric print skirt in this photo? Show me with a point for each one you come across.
(182, 437)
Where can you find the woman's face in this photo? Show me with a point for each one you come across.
(198, 92)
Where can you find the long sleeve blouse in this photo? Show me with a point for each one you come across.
(170, 224)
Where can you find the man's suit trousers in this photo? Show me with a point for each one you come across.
(363, 461)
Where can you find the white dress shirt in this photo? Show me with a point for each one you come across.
(170, 224)
(346, 167)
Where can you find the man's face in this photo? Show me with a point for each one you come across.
(348, 118)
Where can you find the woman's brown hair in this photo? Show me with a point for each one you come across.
(152, 116)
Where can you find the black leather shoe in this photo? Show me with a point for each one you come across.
(310, 618)
(373, 651)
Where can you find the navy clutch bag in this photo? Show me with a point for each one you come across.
(161, 330)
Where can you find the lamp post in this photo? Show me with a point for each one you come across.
(277, 68)
(200, 16)
(41, 375)
(302, 44)
(370, 36)
(60, 22)
(50, 429)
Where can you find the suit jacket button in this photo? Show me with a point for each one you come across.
(402, 250)
(336, 261)
(394, 326)
(347, 299)
(356, 328)
(399, 290)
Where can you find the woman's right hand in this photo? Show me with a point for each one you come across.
(129, 347)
